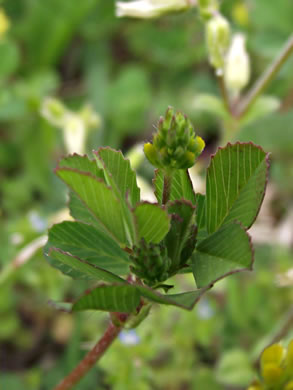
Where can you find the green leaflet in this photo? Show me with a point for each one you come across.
(80, 212)
(115, 298)
(181, 185)
(122, 179)
(99, 199)
(200, 211)
(226, 251)
(82, 164)
(236, 181)
(152, 222)
(81, 267)
(89, 244)
(185, 300)
(119, 174)
(126, 298)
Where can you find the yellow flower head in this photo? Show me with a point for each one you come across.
(4, 23)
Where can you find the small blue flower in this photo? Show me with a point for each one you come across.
(204, 309)
(129, 337)
(38, 223)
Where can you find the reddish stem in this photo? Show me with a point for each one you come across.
(167, 187)
(91, 358)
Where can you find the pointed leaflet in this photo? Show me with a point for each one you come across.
(119, 174)
(152, 222)
(89, 244)
(227, 251)
(59, 259)
(181, 185)
(116, 298)
(82, 164)
(99, 199)
(180, 241)
(236, 181)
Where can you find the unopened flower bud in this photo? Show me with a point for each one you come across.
(218, 39)
(207, 8)
(237, 66)
(146, 9)
(175, 145)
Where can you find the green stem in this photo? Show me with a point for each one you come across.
(167, 187)
(265, 79)
(91, 358)
(224, 93)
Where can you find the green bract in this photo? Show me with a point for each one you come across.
(151, 262)
(175, 145)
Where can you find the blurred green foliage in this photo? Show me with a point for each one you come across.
(130, 71)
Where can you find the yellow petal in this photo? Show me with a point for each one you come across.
(273, 354)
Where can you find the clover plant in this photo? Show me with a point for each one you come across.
(128, 249)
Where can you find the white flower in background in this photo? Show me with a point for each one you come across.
(74, 133)
(54, 111)
(146, 9)
(75, 125)
(237, 66)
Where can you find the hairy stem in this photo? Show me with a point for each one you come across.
(91, 358)
(265, 79)
(167, 187)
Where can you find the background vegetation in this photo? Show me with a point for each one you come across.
(129, 71)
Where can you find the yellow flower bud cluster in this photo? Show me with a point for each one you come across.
(175, 145)
(276, 366)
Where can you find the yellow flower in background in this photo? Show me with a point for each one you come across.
(276, 366)
(240, 14)
(4, 23)
(271, 364)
